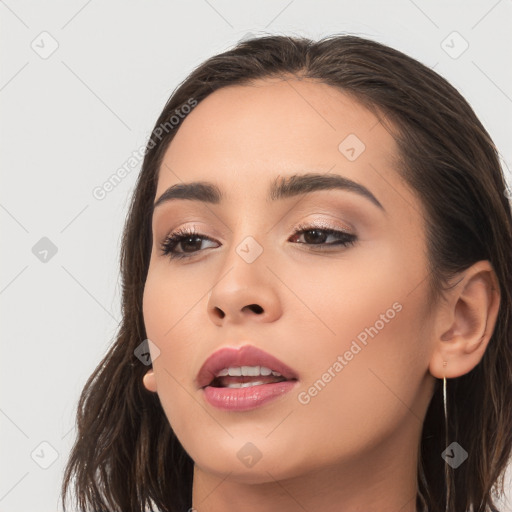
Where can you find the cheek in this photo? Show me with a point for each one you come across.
(174, 308)
(171, 310)
(343, 296)
(371, 312)
(166, 307)
(376, 387)
(170, 299)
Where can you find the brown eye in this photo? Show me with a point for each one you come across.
(188, 240)
(316, 236)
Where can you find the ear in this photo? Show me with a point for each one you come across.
(465, 322)
(149, 380)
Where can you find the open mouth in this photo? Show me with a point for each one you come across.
(238, 380)
(245, 377)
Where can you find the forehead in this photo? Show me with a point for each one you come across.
(242, 137)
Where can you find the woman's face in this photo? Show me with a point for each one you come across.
(346, 311)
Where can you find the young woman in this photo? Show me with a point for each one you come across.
(317, 282)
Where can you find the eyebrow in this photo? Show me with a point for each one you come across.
(280, 188)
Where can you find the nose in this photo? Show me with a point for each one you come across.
(244, 292)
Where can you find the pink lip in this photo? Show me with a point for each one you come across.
(243, 398)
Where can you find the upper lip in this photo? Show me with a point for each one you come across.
(247, 355)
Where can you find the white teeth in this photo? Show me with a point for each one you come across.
(247, 371)
(250, 371)
(244, 384)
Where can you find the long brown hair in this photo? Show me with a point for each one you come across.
(127, 458)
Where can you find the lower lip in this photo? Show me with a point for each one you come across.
(244, 399)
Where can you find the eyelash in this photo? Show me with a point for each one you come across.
(171, 241)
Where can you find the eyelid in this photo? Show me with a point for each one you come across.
(323, 223)
(319, 223)
(193, 225)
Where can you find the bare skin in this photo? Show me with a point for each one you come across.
(352, 445)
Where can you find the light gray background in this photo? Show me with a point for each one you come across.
(71, 119)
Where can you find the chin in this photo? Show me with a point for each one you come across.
(246, 464)
(260, 473)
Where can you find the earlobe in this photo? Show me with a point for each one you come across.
(466, 322)
(149, 380)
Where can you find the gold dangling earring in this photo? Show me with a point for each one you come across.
(446, 470)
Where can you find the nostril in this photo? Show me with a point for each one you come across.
(220, 312)
(256, 308)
